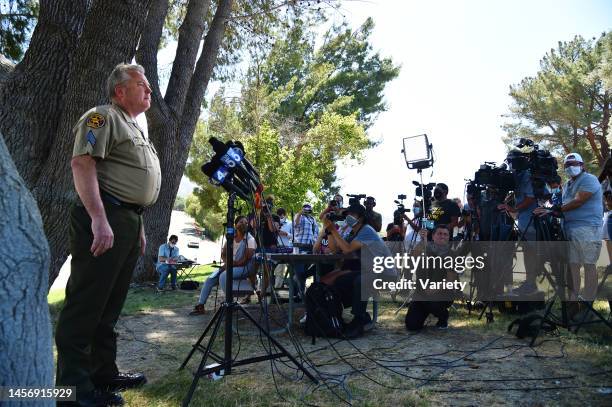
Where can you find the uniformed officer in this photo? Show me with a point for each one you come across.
(116, 175)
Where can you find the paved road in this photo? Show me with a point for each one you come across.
(181, 225)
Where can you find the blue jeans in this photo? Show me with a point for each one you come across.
(219, 276)
(301, 273)
(164, 270)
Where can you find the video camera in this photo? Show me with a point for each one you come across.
(400, 211)
(334, 217)
(498, 177)
(541, 164)
(354, 199)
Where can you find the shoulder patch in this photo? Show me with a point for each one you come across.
(91, 139)
(95, 121)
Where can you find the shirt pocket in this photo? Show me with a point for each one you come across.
(139, 146)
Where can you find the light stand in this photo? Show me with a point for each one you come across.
(227, 309)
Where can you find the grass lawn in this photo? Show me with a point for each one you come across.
(156, 334)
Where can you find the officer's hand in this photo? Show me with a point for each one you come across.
(103, 236)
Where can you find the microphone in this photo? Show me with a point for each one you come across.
(218, 175)
(232, 155)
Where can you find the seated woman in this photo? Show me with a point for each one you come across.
(353, 286)
(244, 248)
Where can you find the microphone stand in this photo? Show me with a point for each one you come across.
(225, 312)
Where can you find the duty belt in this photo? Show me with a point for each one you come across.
(106, 197)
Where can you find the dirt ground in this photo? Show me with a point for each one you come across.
(462, 366)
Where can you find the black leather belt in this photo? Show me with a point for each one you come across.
(106, 197)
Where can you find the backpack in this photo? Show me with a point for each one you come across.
(323, 312)
(528, 326)
(189, 285)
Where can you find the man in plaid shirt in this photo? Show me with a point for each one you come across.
(306, 231)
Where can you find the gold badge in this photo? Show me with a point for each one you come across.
(95, 121)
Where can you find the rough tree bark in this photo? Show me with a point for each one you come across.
(74, 47)
(172, 119)
(25, 327)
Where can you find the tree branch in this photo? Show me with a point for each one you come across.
(147, 57)
(203, 72)
(6, 67)
(190, 35)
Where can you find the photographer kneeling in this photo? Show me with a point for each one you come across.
(349, 282)
(427, 300)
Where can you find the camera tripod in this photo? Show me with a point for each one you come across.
(547, 230)
(500, 230)
(224, 314)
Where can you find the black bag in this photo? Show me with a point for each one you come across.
(189, 285)
(323, 312)
(528, 326)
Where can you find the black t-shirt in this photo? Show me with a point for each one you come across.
(268, 237)
(442, 212)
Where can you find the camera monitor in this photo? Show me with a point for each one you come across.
(417, 152)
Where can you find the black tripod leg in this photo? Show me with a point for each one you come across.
(197, 344)
(599, 316)
(279, 346)
(198, 374)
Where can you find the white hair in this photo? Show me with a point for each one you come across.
(120, 75)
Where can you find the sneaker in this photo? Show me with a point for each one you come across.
(526, 288)
(173, 288)
(159, 290)
(442, 324)
(353, 330)
(303, 319)
(198, 310)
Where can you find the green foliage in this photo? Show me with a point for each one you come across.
(300, 112)
(17, 20)
(566, 106)
(345, 75)
(179, 203)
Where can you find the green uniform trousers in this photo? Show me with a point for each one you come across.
(96, 290)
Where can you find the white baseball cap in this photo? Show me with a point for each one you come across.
(573, 157)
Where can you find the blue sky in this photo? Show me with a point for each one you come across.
(458, 60)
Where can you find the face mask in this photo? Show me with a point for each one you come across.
(573, 170)
(416, 210)
(555, 190)
(351, 220)
(172, 245)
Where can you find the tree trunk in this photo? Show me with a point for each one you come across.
(31, 99)
(181, 107)
(25, 327)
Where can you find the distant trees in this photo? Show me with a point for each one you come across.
(300, 111)
(567, 104)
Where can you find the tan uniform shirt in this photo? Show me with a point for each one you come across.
(127, 163)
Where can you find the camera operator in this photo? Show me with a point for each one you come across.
(348, 282)
(431, 301)
(444, 211)
(267, 237)
(373, 218)
(411, 236)
(333, 206)
(469, 217)
(582, 211)
(525, 203)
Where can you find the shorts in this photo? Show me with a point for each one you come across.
(582, 248)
